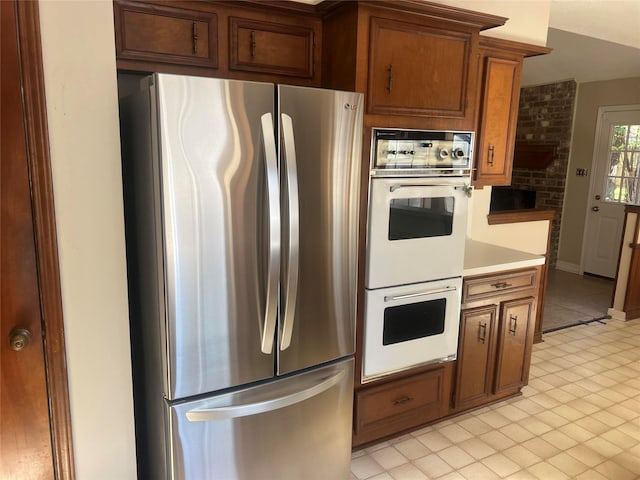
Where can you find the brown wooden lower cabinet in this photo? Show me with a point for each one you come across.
(394, 406)
(474, 380)
(496, 337)
(497, 325)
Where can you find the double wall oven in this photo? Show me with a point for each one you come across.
(417, 220)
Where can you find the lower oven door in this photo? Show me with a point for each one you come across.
(410, 325)
(416, 230)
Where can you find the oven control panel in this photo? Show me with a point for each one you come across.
(421, 152)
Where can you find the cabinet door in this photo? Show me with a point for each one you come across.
(514, 344)
(164, 34)
(475, 356)
(496, 132)
(274, 48)
(417, 70)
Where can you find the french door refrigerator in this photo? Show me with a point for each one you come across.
(241, 203)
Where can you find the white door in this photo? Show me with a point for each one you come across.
(615, 183)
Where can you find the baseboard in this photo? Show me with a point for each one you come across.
(617, 314)
(568, 267)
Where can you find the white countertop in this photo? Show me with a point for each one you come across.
(481, 258)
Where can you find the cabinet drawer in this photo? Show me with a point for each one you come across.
(403, 403)
(484, 287)
(274, 48)
(164, 34)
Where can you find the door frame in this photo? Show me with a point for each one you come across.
(47, 262)
(594, 160)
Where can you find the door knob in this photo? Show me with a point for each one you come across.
(595, 209)
(19, 338)
(598, 197)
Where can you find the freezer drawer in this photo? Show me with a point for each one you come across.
(289, 429)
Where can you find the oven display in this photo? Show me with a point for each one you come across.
(414, 320)
(420, 217)
(422, 150)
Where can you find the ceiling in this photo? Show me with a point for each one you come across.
(592, 40)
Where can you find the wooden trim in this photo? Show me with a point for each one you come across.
(518, 216)
(30, 50)
(524, 49)
(437, 11)
(632, 209)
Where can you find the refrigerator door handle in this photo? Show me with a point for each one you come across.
(264, 406)
(273, 271)
(291, 281)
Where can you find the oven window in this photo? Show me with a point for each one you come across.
(420, 217)
(414, 320)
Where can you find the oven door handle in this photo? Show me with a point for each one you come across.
(420, 294)
(398, 186)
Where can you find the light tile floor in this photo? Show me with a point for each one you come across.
(572, 298)
(579, 418)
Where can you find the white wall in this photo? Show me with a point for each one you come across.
(80, 81)
(528, 237)
(528, 19)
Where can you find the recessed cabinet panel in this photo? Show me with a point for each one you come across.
(397, 405)
(417, 70)
(164, 34)
(271, 48)
(496, 132)
(516, 318)
(476, 356)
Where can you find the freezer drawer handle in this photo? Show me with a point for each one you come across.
(420, 294)
(273, 272)
(293, 246)
(235, 411)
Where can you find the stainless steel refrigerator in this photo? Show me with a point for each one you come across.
(241, 203)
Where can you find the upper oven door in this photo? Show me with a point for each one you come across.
(417, 230)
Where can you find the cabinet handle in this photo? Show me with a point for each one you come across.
(482, 332)
(402, 400)
(492, 150)
(253, 44)
(513, 324)
(390, 87)
(501, 285)
(195, 38)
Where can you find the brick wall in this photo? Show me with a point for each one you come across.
(545, 117)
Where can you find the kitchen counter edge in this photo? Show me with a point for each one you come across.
(482, 258)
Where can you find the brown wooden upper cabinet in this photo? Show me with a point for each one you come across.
(276, 42)
(417, 62)
(268, 47)
(500, 69)
(155, 33)
(418, 70)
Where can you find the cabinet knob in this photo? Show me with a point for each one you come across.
(482, 332)
(402, 400)
(513, 324)
(19, 338)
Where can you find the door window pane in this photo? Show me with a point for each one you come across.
(622, 183)
(414, 320)
(420, 217)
